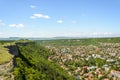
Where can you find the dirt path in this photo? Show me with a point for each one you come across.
(6, 71)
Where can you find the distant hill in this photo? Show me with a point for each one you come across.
(50, 38)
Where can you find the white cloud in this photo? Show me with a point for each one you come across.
(108, 33)
(100, 33)
(60, 21)
(2, 35)
(39, 16)
(32, 6)
(68, 34)
(87, 34)
(17, 25)
(2, 23)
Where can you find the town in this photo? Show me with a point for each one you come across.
(88, 62)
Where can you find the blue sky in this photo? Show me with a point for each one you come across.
(51, 18)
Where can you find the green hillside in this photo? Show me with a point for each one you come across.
(32, 64)
(78, 42)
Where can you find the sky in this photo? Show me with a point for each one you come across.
(59, 18)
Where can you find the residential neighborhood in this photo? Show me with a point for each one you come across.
(90, 62)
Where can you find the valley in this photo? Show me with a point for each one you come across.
(61, 59)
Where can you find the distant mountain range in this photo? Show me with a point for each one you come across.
(40, 38)
(51, 38)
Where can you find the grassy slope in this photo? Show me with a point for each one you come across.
(4, 54)
(32, 64)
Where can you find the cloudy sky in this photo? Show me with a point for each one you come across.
(51, 18)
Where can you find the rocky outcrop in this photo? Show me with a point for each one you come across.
(13, 49)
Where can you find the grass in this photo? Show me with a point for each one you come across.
(5, 56)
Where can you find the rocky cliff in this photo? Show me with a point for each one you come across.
(13, 49)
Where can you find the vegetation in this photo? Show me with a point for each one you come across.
(4, 53)
(78, 42)
(65, 59)
(32, 64)
(5, 62)
(87, 59)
